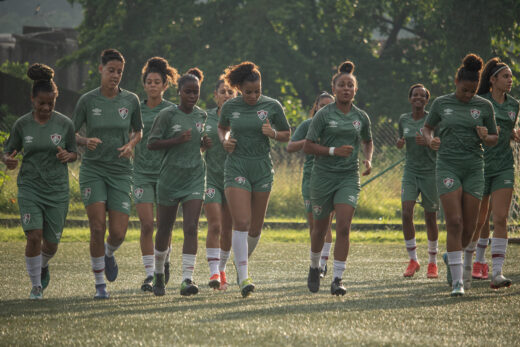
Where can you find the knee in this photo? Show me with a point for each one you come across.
(407, 215)
(454, 223)
(190, 229)
(97, 227)
(34, 237)
(214, 228)
(242, 225)
(147, 228)
(343, 230)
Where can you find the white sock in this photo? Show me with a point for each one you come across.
(45, 259)
(239, 244)
(481, 250)
(433, 249)
(212, 254)
(498, 252)
(160, 258)
(98, 267)
(468, 254)
(167, 260)
(224, 256)
(252, 242)
(325, 252)
(455, 261)
(149, 264)
(188, 265)
(338, 269)
(34, 269)
(411, 247)
(315, 259)
(109, 249)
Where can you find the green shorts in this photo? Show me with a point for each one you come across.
(329, 189)
(98, 186)
(505, 179)
(181, 185)
(50, 219)
(413, 184)
(250, 174)
(469, 175)
(144, 193)
(214, 195)
(306, 193)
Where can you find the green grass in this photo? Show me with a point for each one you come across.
(380, 308)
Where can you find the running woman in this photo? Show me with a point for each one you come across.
(178, 131)
(468, 121)
(46, 138)
(112, 117)
(246, 124)
(336, 134)
(157, 76)
(295, 145)
(216, 209)
(499, 173)
(418, 178)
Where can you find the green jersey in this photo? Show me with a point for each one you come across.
(332, 128)
(299, 134)
(148, 163)
(419, 159)
(41, 174)
(500, 157)
(458, 121)
(246, 124)
(216, 155)
(111, 121)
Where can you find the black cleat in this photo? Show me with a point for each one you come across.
(337, 288)
(147, 285)
(323, 271)
(158, 284)
(188, 287)
(166, 273)
(313, 280)
(111, 268)
(45, 277)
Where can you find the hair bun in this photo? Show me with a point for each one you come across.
(158, 63)
(195, 71)
(472, 62)
(40, 72)
(347, 67)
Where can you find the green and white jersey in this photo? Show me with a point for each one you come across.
(216, 155)
(419, 159)
(148, 163)
(458, 121)
(332, 128)
(500, 157)
(300, 134)
(246, 124)
(41, 173)
(111, 121)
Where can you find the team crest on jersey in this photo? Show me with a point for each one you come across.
(56, 138)
(356, 124)
(316, 209)
(240, 180)
(96, 111)
(210, 192)
(262, 114)
(123, 112)
(86, 193)
(333, 124)
(26, 218)
(138, 193)
(307, 203)
(448, 111)
(236, 114)
(511, 115)
(475, 113)
(421, 131)
(28, 139)
(448, 182)
(199, 126)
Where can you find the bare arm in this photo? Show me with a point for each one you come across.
(368, 150)
(313, 148)
(295, 146)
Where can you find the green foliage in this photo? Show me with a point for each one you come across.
(16, 69)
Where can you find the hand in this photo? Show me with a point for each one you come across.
(206, 142)
(92, 143)
(482, 132)
(10, 161)
(515, 135)
(63, 155)
(419, 139)
(435, 143)
(368, 166)
(343, 151)
(126, 151)
(267, 130)
(400, 142)
(229, 144)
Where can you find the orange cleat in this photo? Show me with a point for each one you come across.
(433, 272)
(412, 268)
(214, 281)
(477, 270)
(223, 282)
(485, 269)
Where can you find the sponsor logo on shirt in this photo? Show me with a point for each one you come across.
(356, 124)
(448, 111)
(406, 131)
(199, 126)
(262, 114)
(307, 203)
(56, 138)
(138, 193)
(236, 114)
(333, 124)
(28, 139)
(26, 218)
(511, 115)
(352, 199)
(195, 193)
(240, 180)
(176, 128)
(316, 209)
(123, 112)
(210, 192)
(96, 111)
(475, 113)
(448, 182)
(508, 182)
(86, 193)
(125, 205)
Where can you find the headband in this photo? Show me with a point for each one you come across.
(499, 69)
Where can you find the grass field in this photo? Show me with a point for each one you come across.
(380, 308)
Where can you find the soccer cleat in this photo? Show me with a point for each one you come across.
(223, 281)
(214, 281)
(323, 271)
(413, 267)
(499, 281)
(36, 293)
(158, 284)
(458, 289)
(246, 287)
(188, 287)
(485, 269)
(448, 271)
(337, 288)
(147, 285)
(101, 292)
(476, 273)
(313, 279)
(111, 268)
(45, 277)
(166, 273)
(433, 271)
(466, 277)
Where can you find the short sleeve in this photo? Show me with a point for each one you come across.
(301, 131)
(70, 141)
(490, 122)
(316, 127)
(137, 119)
(434, 116)
(279, 120)
(14, 142)
(366, 129)
(225, 115)
(80, 114)
(159, 126)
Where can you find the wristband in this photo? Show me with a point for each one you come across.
(331, 151)
(275, 133)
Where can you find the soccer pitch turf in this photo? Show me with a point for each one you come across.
(380, 307)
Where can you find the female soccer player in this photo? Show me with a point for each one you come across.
(499, 172)
(216, 209)
(47, 140)
(418, 178)
(335, 136)
(296, 144)
(112, 117)
(157, 76)
(178, 131)
(467, 122)
(246, 124)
